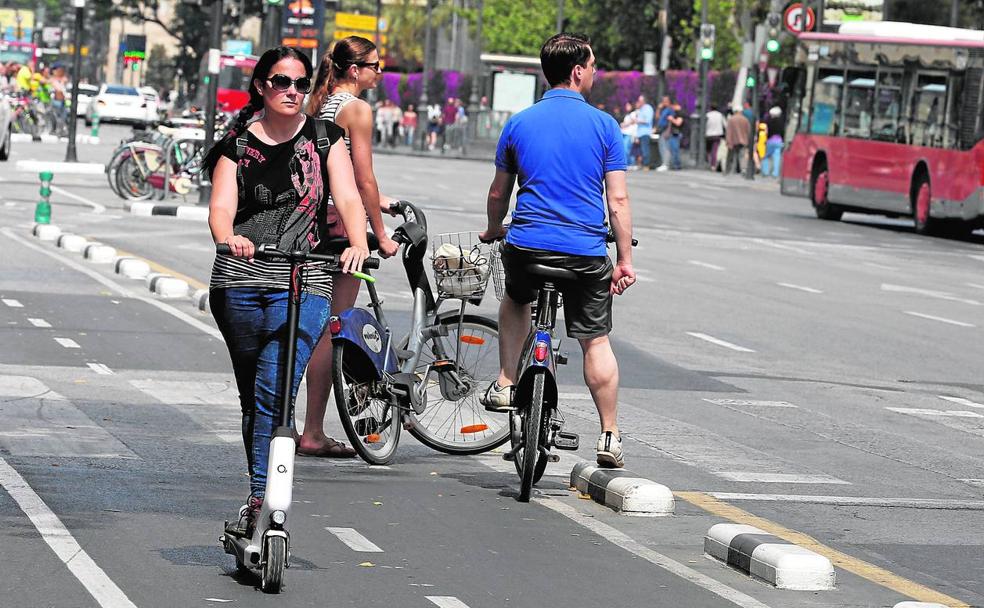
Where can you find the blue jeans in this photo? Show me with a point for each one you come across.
(253, 321)
(644, 142)
(675, 152)
(773, 158)
(627, 146)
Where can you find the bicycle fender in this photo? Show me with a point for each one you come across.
(360, 328)
(548, 363)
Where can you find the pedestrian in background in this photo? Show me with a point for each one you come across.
(433, 124)
(409, 123)
(761, 134)
(713, 133)
(350, 67)
(736, 137)
(676, 121)
(449, 115)
(775, 127)
(644, 119)
(665, 132)
(629, 126)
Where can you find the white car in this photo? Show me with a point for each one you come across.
(153, 103)
(119, 103)
(86, 93)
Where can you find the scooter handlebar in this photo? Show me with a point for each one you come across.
(269, 252)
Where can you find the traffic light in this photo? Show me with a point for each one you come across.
(750, 82)
(707, 41)
(275, 2)
(773, 21)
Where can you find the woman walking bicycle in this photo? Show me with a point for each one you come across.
(350, 67)
(270, 184)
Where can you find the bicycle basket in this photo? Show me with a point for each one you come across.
(498, 274)
(462, 265)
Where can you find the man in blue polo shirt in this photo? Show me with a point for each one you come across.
(569, 160)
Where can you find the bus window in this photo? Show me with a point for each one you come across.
(824, 116)
(888, 107)
(859, 104)
(927, 111)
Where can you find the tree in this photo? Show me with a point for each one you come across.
(160, 69)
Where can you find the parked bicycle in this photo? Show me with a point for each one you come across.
(428, 382)
(157, 162)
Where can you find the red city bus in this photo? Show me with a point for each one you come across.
(235, 76)
(886, 118)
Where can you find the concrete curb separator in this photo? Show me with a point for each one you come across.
(132, 268)
(770, 558)
(183, 212)
(200, 299)
(47, 232)
(48, 138)
(622, 491)
(72, 242)
(98, 253)
(57, 167)
(919, 605)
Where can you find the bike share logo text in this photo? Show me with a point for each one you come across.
(370, 335)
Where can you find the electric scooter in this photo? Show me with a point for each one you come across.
(266, 551)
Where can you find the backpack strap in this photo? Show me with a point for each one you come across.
(240, 148)
(321, 137)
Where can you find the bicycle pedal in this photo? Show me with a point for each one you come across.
(566, 441)
(553, 458)
(560, 359)
(509, 456)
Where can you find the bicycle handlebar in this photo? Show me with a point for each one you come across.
(269, 252)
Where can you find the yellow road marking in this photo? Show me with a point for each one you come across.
(159, 268)
(854, 565)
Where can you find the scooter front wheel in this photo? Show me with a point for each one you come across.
(370, 422)
(275, 562)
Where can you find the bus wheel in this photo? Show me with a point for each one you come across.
(824, 209)
(921, 220)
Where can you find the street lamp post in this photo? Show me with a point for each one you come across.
(702, 101)
(71, 155)
(425, 77)
(214, 66)
(477, 69)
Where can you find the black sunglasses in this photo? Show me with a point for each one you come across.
(364, 64)
(280, 82)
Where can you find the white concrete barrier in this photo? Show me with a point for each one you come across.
(72, 242)
(132, 268)
(770, 558)
(170, 287)
(623, 491)
(200, 298)
(47, 232)
(100, 254)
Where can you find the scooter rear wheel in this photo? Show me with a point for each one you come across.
(272, 575)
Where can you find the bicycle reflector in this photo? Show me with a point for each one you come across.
(540, 352)
(334, 325)
(476, 340)
(474, 428)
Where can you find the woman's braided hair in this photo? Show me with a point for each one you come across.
(260, 73)
(342, 55)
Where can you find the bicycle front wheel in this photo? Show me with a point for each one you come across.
(131, 181)
(453, 421)
(370, 422)
(530, 463)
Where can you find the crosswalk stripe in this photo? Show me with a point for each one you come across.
(38, 322)
(101, 369)
(12, 303)
(67, 342)
(446, 601)
(354, 540)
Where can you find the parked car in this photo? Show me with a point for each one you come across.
(153, 103)
(86, 93)
(119, 103)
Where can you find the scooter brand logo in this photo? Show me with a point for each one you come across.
(371, 337)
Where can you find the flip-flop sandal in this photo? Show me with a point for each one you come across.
(332, 449)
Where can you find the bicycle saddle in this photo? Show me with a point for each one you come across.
(339, 243)
(550, 272)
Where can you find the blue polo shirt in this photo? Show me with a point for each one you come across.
(560, 149)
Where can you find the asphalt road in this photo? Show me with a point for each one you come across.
(818, 377)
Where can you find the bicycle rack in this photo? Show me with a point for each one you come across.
(168, 150)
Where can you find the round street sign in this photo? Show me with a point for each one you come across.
(793, 18)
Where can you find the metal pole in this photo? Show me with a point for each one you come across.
(271, 25)
(664, 29)
(954, 13)
(477, 63)
(560, 16)
(214, 65)
(71, 155)
(429, 29)
(702, 101)
(753, 132)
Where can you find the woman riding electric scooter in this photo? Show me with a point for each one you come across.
(270, 185)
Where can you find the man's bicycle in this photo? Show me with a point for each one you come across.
(429, 381)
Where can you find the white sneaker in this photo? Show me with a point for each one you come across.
(498, 398)
(610, 451)
(662, 168)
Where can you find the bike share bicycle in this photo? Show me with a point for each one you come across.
(429, 381)
(265, 550)
(535, 422)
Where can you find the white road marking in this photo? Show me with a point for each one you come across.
(961, 401)
(799, 287)
(856, 501)
(705, 265)
(940, 319)
(354, 540)
(880, 266)
(446, 601)
(752, 477)
(719, 342)
(12, 303)
(750, 402)
(96, 207)
(941, 295)
(116, 287)
(627, 543)
(915, 411)
(212, 405)
(974, 285)
(99, 368)
(38, 322)
(782, 246)
(56, 535)
(67, 342)
(977, 483)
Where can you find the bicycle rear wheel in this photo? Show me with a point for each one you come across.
(131, 183)
(530, 463)
(453, 421)
(370, 422)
